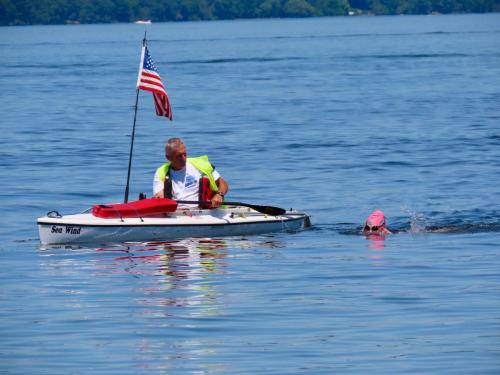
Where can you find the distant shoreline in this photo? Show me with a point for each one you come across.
(69, 23)
(66, 12)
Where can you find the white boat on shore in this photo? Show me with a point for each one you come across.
(183, 223)
(143, 22)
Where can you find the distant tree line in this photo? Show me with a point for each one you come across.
(28, 12)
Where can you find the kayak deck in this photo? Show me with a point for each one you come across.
(184, 223)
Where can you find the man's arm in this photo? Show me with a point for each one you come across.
(158, 186)
(218, 198)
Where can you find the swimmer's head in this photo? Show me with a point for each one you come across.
(375, 223)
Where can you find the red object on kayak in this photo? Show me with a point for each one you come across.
(140, 208)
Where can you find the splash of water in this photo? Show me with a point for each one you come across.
(418, 220)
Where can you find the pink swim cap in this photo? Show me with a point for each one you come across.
(376, 218)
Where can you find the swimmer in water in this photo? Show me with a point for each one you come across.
(375, 224)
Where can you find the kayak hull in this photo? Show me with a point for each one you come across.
(86, 228)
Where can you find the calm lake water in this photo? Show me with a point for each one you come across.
(331, 116)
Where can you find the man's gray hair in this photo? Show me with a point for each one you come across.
(173, 144)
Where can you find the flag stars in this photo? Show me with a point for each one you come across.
(148, 62)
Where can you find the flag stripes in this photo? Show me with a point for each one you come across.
(149, 80)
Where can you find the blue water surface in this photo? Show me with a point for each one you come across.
(331, 116)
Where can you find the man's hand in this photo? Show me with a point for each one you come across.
(217, 200)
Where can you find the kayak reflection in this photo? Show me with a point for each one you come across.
(176, 276)
(180, 259)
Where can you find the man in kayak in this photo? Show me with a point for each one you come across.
(188, 179)
(375, 224)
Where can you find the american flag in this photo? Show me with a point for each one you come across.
(150, 80)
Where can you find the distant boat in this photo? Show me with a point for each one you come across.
(143, 22)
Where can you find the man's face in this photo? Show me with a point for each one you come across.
(177, 157)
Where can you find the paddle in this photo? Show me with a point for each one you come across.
(268, 210)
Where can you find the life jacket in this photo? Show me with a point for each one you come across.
(207, 184)
(205, 194)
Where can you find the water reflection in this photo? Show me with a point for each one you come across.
(376, 241)
(177, 260)
(178, 271)
(167, 300)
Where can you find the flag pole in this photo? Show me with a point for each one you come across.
(125, 199)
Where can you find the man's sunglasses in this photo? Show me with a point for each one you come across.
(371, 229)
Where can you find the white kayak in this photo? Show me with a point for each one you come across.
(183, 223)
